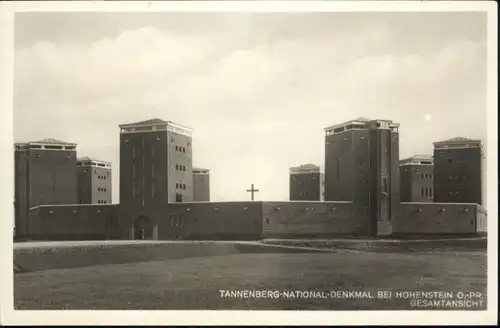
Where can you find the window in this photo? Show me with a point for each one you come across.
(184, 168)
(177, 167)
(183, 186)
(176, 148)
(176, 186)
(183, 149)
(425, 192)
(422, 192)
(450, 160)
(430, 192)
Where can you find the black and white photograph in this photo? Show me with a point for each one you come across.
(290, 157)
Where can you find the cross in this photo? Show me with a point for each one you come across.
(252, 190)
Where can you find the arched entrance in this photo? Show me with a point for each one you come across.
(143, 228)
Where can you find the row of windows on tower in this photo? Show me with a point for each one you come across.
(102, 202)
(426, 175)
(101, 177)
(180, 186)
(180, 167)
(101, 189)
(426, 192)
(180, 149)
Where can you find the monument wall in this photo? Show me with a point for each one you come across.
(244, 220)
(307, 219)
(438, 218)
(72, 222)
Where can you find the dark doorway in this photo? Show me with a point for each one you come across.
(178, 198)
(143, 228)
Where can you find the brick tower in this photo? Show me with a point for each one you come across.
(155, 163)
(416, 178)
(94, 181)
(458, 172)
(361, 165)
(45, 174)
(307, 183)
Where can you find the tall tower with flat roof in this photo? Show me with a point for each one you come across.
(361, 165)
(156, 163)
(458, 170)
(45, 174)
(307, 183)
(417, 178)
(94, 181)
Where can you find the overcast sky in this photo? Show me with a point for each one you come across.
(258, 89)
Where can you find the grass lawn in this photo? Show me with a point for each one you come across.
(194, 283)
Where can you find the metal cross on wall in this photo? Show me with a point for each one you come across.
(252, 191)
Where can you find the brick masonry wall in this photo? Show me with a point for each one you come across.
(201, 187)
(231, 220)
(307, 219)
(245, 220)
(458, 175)
(53, 178)
(184, 159)
(427, 218)
(227, 221)
(72, 222)
(306, 186)
(101, 187)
